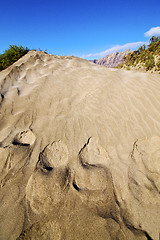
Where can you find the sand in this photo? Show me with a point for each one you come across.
(79, 151)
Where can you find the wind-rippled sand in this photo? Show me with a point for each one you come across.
(79, 151)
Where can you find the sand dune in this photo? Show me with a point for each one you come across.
(80, 148)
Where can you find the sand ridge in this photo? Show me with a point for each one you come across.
(103, 125)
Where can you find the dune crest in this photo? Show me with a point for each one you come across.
(80, 148)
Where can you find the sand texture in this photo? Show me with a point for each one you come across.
(79, 151)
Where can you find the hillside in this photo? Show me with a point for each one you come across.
(112, 60)
(145, 58)
(79, 151)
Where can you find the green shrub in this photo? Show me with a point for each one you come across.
(144, 55)
(150, 63)
(158, 65)
(11, 55)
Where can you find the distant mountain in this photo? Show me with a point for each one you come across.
(112, 60)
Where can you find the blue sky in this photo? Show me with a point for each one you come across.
(84, 28)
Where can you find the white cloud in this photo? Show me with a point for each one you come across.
(116, 48)
(153, 32)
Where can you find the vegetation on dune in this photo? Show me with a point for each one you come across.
(146, 57)
(11, 55)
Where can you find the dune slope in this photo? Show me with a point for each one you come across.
(79, 151)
